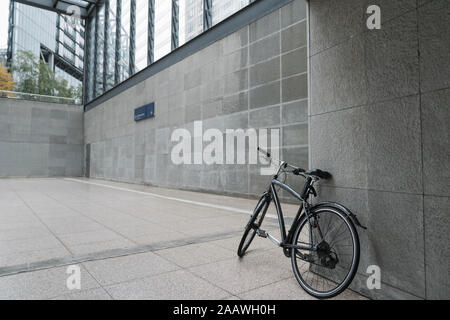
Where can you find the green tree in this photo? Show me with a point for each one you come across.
(47, 82)
(35, 76)
(26, 71)
(63, 89)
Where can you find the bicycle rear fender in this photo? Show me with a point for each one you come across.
(341, 208)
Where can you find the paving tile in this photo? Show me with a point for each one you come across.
(195, 254)
(232, 298)
(18, 258)
(64, 225)
(214, 225)
(93, 247)
(289, 289)
(92, 294)
(42, 284)
(257, 245)
(138, 229)
(177, 285)
(55, 213)
(239, 275)
(153, 238)
(29, 244)
(24, 233)
(121, 269)
(20, 224)
(73, 239)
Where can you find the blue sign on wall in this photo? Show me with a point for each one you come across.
(144, 112)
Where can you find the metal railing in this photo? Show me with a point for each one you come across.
(37, 97)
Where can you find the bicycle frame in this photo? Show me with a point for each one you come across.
(286, 239)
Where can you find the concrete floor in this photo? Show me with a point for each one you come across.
(134, 242)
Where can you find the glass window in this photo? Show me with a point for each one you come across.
(163, 31)
(190, 25)
(190, 19)
(222, 9)
(141, 34)
(100, 46)
(110, 71)
(90, 61)
(124, 41)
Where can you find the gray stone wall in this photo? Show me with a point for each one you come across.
(379, 117)
(253, 78)
(40, 139)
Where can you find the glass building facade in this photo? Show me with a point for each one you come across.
(125, 36)
(58, 39)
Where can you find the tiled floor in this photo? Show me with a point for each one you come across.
(134, 242)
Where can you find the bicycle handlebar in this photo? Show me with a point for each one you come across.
(267, 154)
(299, 171)
(283, 164)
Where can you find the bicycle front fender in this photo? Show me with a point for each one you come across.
(341, 208)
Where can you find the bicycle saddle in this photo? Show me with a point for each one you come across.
(319, 173)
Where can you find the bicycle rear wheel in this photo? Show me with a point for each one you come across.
(328, 270)
(253, 225)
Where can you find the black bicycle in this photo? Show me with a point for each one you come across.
(322, 241)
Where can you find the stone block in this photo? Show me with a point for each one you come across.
(392, 62)
(338, 77)
(296, 134)
(293, 37)
(435, 135)
(265, 26)
(265, 72)
(296, 111)
(295, 88)
(293, 12)
(265, 95)
(294, 62)
(265, 117)
(434, 45)
(235, 103)
(265, 49)
(437, 254)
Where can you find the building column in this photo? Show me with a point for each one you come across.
(151, 32)
(175, 24)
(207, 14)
(118, 42)
(96, 51)
(106, 48)
(132, 62)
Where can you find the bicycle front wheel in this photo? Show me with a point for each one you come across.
(252, 226)
(327, 270)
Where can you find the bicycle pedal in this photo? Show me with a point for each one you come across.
(261, 233)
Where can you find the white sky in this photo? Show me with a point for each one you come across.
(4, 10)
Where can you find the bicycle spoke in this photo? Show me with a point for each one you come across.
(321, 275)
(334, 229)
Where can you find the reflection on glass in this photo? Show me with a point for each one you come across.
(111, 45)
(163, 32)
(100, 46)
(191, 20)
(124, 59)
(117, 55)
(91, 54)
(222, 9)
(141, 34)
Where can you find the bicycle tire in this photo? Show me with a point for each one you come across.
(251, 227)
(354, 264)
